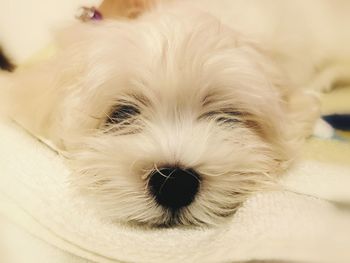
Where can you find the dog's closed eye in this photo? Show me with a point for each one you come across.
(224, 116)
(122, 113)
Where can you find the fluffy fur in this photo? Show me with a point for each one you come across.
(224, 98)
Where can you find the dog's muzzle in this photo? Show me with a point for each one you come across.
(174, 187)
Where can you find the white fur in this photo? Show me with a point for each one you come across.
(184, 70)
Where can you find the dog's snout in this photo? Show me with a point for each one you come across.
(174, 187)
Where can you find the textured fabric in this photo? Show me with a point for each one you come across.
(18, 246)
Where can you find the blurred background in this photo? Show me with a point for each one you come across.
(26, 26)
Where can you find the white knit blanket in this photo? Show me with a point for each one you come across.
(36, 195)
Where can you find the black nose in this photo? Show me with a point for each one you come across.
(174, 187)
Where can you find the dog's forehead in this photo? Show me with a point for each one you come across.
(178, 60)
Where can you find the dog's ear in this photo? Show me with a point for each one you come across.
(29, 96)
(299, 111)
(34, 94)
(288, 113)
(303, 110)
(45, 98)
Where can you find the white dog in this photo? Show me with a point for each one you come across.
(177, 116)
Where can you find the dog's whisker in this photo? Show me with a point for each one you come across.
(156, 168)
(193, 175)
(165, 181)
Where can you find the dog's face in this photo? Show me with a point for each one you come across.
(169, 121)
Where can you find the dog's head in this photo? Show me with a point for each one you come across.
(169, 120)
